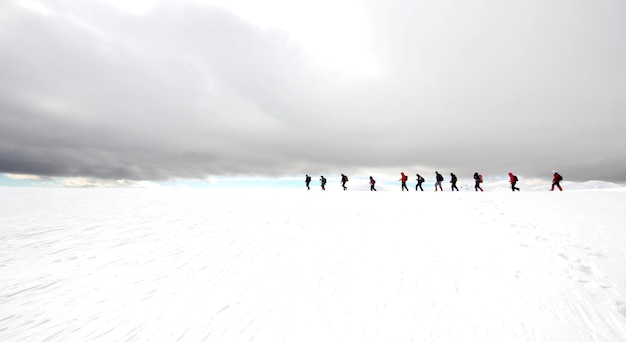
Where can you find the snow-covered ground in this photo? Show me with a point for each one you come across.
(210, 265)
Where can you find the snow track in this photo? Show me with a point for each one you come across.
(168, 265)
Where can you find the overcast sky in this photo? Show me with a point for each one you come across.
(157, 90)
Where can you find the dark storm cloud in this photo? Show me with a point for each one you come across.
(188, 90)
(183, 92)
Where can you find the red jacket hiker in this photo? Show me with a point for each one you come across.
(403, 179)
(513, 180)
(555, 181)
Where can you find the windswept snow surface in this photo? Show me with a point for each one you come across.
(197, 265)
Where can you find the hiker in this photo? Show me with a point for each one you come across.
(323, 180)
(344, 179)
(307, 181)
(556, 179)
(420, 180)
(439, 179)
(479, 179)
(513, 181)
(372, 183)
(453, 180)
(403, 179)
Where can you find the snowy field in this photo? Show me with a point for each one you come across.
(287, 265)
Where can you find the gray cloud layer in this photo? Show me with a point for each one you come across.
(189, 90)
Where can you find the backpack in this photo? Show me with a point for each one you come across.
(480, 178)
(421, 179)
(346, 178)
(560, 177)
(515, 178)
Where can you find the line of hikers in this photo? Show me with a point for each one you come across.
(478, 178)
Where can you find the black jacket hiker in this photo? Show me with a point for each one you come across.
(453, 180)
(479, 179)
(344, 179)
(323, 182)
(439, 179)
(420, 180)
